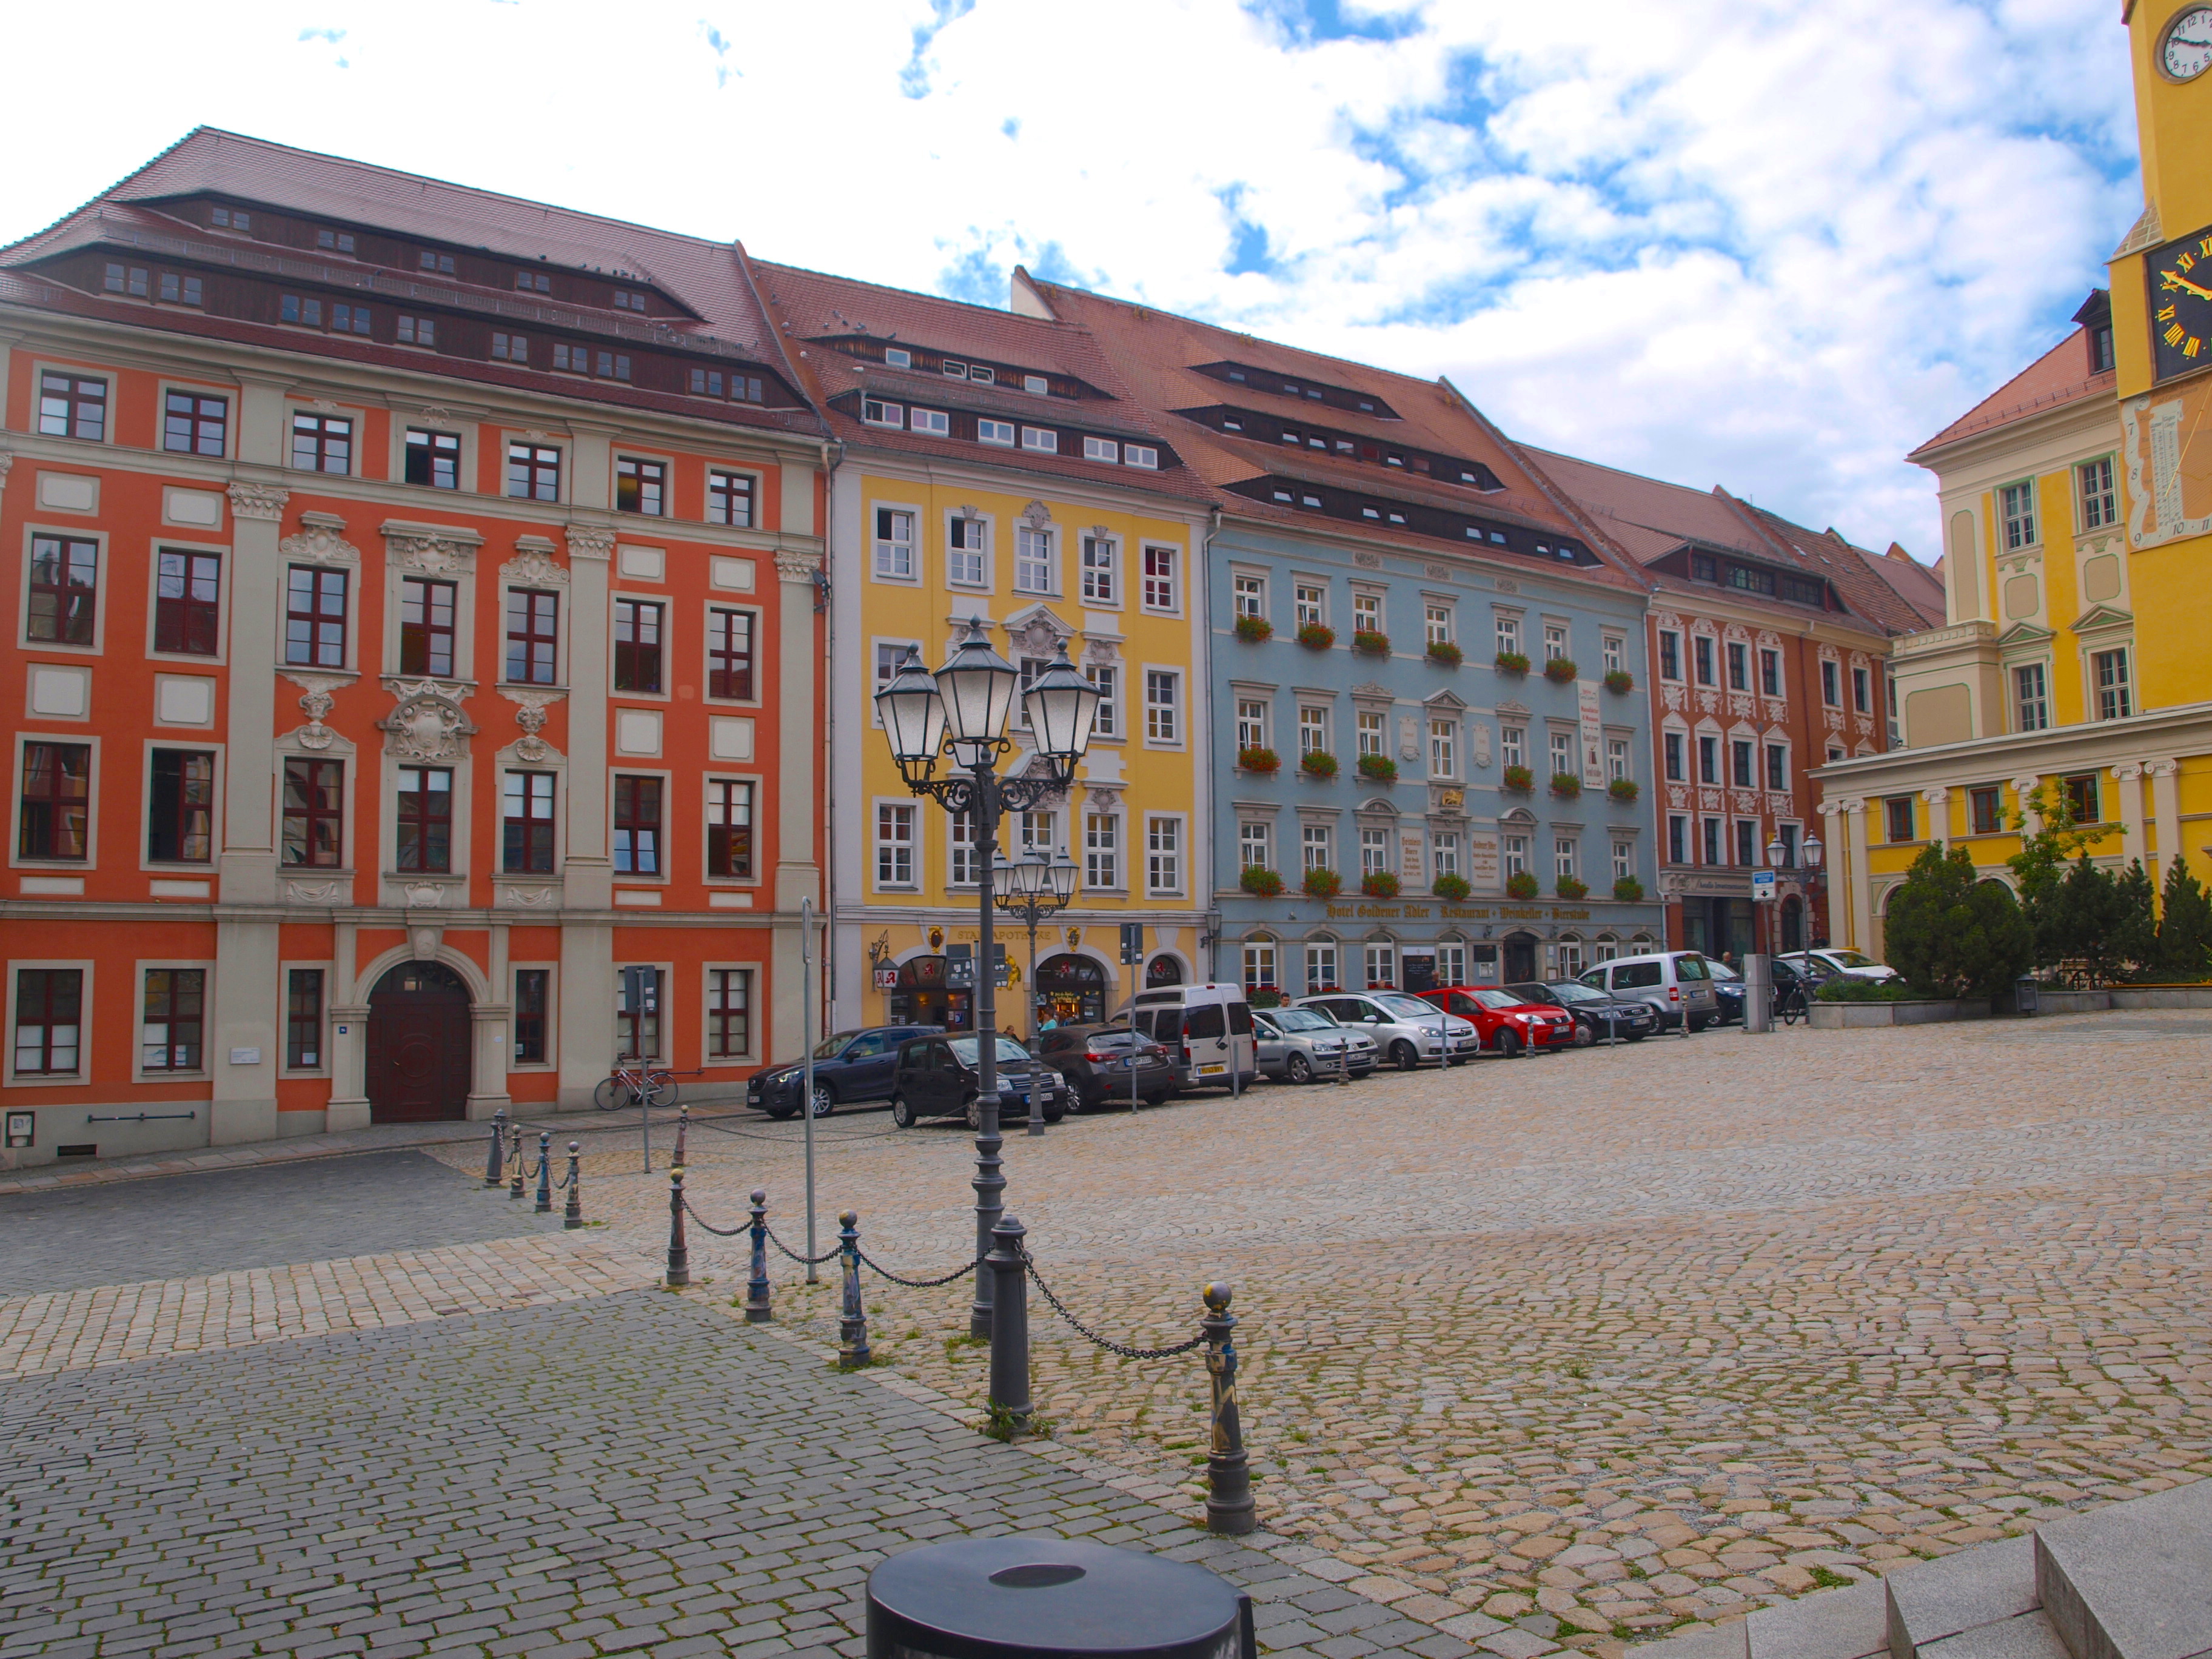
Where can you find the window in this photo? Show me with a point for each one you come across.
(1382, 962)
(1787, 834)
(1101, 449)
(963, 552)
(127, 279)
(1367, 613)
(1984, 811)
(1831, 681)
(641, 487)
(895, 846)
(1670, 655)
(418, 330)
(609, 365)
(48, 1004)
(2019, 515)
(1374, 852)
(962, 835)
(2110, 670)
(434, 458)
(1516, 851)
(1436, 623)
(315, 618)
(1777, 766)
(1310, 603)
(1043, 440)
(511, 347)
(1566, 853)
(1701, 653)
(637, 1028)
(308, 312)
(1313, 730)
(1513, 745)
(349, 320)
(171, 1028)
(181, 807)
(1739, 764)
(730, 655)
(1162, 706)
(637, 826)
(2099, 505)
(1108, 680)
(629, 300)
(1321, 968)
(1747, 843)
(1563, 754)
(2031, 698)
(1671, 748)
(1255, 847)
(1443, 749)
(1678, 839)
(322, 443)
(1033, 561)
(1711, 835)
(1251, 723)
(527, 823)
(1102, 850)
(64, 590)
(1036, 831)
(426, 818)
(1616, 759)
(1368, 736)
(533, 636)
(1624, 859)
(1739, 667)
(314, 807)
(532, 1009)
(533, 473)
(1709, 760)
(1317, 847)
(193, 424)
(637, 646)
(1098, 556)
(1258, 964)
(729, 498)
(995, 432)
(1163, 854)
(1451, 964)
(186, 588)
(1769, 673)
(1861, 691)
(57, 801)
(426, 628)
(72, 406)
(1142, 455)
(1897, 816)
(729, 827)
(303, 1019)
(2084, 798)
(1609, 653)
(1835, 753)
(894, 543)
(1159, 578)
(1555, 642)
(444, 265)
(729, 1012)
(1443, 852)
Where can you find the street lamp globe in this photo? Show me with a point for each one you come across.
(1775, 849)
(977, 685)
(1812, 848)
(913, 715)
(1060, 874)
(1061, 705)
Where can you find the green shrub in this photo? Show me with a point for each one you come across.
(1620, 682)
(1559, 670)
(1451, 888)
(2185, 925)
(1379, 883)
(1950, 933)
(1628, 890)
(1566, 784)
(1522, 886)
(1867, 990)
(1571, 887)
(1622, 789)
(1263, 761)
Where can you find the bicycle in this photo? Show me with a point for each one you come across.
(1789, 1004)
(634, 1085)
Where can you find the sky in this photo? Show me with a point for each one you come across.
(1767, 246)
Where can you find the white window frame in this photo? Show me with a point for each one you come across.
(1323, 969)
(1160, 596)
(886, 562)
(1164, 718)
(1317, 847)
(1255, 834)
(1100, 561)
(1000, 434)
(87, 1011)
(1041, 439)
(1248, 594)
(1106, 824)
(1167, 844)
(1443, 749)
(957, 526)
(1036, 550)
(1254, 715)
(881, 411)
(1443, 852)
(930, 423)
(914, 844)
(1313, 729)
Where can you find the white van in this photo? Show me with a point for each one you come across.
(1207, 1030)
(1675, 982)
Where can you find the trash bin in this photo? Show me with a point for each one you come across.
(2023, 996)
(1039, 1598)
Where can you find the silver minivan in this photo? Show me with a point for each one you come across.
(1297, 1045)
(1408, 1031)
(1207, 1030)
(1675, 982)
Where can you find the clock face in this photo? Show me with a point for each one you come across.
(2186, 52)
(2181, 278)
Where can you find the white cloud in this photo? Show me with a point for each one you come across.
(1734, 241)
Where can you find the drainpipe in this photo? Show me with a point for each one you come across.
(1212, 806)
(833, 456)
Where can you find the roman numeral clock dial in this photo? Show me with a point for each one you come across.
(2181, 305)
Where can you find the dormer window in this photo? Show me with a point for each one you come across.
(335, 241)
(531, 282)
(982, 373)
(629, 299)
(1035, 384)
(444, 265)
(958, 371)
(230, 219)
(898, 357)
(2100, 350)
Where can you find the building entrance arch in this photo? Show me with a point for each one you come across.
(418, 1064)
(1520, 958)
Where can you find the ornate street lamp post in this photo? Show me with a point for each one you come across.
(960, 712)
(1030, 889)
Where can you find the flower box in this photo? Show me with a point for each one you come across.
(1314, 637)
(1628, 890)
(1322, 883)
(1259, 882)
(1255, 630)
(1620, 682)
(1559, 670)
(1379, 883)
(1369, 643)
(1510, 662)
(1568, 888)
(1622, 789)
(1263, 761)
(1380, 768)
(1522, 886)
(1317, 763)
(1566, 784)
(1451, 888)
(1447, 653)
(1520, 779)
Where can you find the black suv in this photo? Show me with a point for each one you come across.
(1098, 1062)
(1597, 1015)
(936, 1078)
(848, 1068)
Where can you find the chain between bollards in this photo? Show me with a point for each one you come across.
(574, 1216)
(1228, 1475)
(514, 1189)
(759, 1309)
(852, 1316)
(679, 1256)
(544, 1173)
(496, 1160)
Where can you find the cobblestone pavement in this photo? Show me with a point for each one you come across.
(631, 1474)
(1606, 1343)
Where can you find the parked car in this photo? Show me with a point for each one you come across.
(1504, 1023)
(1207, 1030)
(1297, 1045)
(1677, 983)
(1728, 987)
(1826, 964)
(937, 1076)
(1597, 1015)
(848, 1068)
(1407, 1031)
(1100, 1063)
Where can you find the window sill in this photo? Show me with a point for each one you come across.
(47, 1080)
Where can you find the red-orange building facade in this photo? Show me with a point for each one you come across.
(416, 623)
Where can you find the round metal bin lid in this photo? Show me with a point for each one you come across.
(1039, 1598)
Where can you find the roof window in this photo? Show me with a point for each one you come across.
(1035, 384)
(898, 357)
(444, 265)
(335, 241)
(230, 219)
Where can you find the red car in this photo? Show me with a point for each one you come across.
(1506, 1025)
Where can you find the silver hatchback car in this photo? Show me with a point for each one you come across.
(1297, 1045)
(1407, 1031)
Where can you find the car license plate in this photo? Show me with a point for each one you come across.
(1212, 1071)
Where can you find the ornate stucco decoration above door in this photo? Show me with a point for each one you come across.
(428, 723)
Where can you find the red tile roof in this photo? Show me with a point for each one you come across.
(2060, 376)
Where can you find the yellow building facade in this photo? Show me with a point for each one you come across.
(2077, 514)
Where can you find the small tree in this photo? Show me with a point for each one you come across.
(2040, 868)
(2134, 940)
(1952, 934)
(2089, 915)
(2185, 925)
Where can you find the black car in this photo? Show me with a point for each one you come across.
(1595, 1014)
(936, 1077)
(1099, 1062)
(850, 1066)
(1727, 988)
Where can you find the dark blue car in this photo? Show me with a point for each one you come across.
(848, 1068)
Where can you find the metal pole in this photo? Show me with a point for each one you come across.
(852, 1317)
(545, 1172)
(1228, 1475)
(498, 1154)
(574, 1217)
(806, 1081)
(514, 1189)
(990, 1185)
(758, 1309)
(1010, 1326)
(679, 1255)
(1035, 1031)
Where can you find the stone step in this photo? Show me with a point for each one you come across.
(2024, 1636)
(1932, 1601)
(2133, 1581)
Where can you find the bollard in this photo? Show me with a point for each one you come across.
(1010, 1325)
(852, 1318)
(1227, 1478)
(545, 1173)
(514, 1189)
(758, 1308)
(497, 1157)
(574, 1217)
(683, 1128)
(679, 1257)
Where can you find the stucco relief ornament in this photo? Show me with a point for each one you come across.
(1041, 633)
(434, 554)
(7, 465)
(315, 703)
(318, 542)
(587, 541)
(1708, 701)
(534, 566)
(1740, 705)
(537, 897)
(1671, 696)
(530, 717)
(315, 892)
(254, 501)
(1834, 717)
(428, 724)
(796, 565)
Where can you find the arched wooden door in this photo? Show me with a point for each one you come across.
(418, 1045)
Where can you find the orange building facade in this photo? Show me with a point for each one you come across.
(416, 623)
